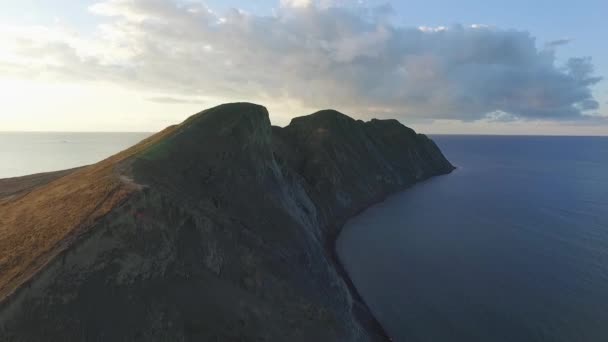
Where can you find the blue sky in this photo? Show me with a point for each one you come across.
(581, 22)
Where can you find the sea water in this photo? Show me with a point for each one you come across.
(512, 246)
(28, 153)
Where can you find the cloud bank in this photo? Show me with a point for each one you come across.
(318, 54)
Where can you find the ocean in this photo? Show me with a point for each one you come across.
(28, 153)
(512, 246)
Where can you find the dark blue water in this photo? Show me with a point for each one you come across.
(27, 153)
(512, 247)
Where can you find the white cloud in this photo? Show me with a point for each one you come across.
(296, 3)
(430, 29)
(316, 54)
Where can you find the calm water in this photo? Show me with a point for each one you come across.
(27, 153)
(512, 247)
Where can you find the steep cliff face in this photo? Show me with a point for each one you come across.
(225, 234)
(349, 164)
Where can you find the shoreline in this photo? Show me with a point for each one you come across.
(339, 265)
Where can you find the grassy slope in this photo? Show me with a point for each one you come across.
(12, 187)
(37, 225)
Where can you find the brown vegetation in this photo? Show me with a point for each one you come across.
(37, 225)
(11, 187)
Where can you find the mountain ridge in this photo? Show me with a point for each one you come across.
(223, 202)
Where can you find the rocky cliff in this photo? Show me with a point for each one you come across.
(218, 229)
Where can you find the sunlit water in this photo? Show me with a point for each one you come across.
(28, 153)
(513, 246)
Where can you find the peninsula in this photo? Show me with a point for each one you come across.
(221, 228)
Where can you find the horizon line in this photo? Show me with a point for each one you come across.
(426, 133)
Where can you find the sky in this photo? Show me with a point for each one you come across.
(469, 66)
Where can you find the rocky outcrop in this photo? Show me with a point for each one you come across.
(226, 235)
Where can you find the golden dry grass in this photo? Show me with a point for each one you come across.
(10, 187)
(37, 225)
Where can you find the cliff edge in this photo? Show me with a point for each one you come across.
(217, 229)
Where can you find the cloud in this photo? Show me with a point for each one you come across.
(321, 55)
(558, 42)
(173, 100)
(296, 3)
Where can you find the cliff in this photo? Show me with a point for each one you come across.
(218, 229)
